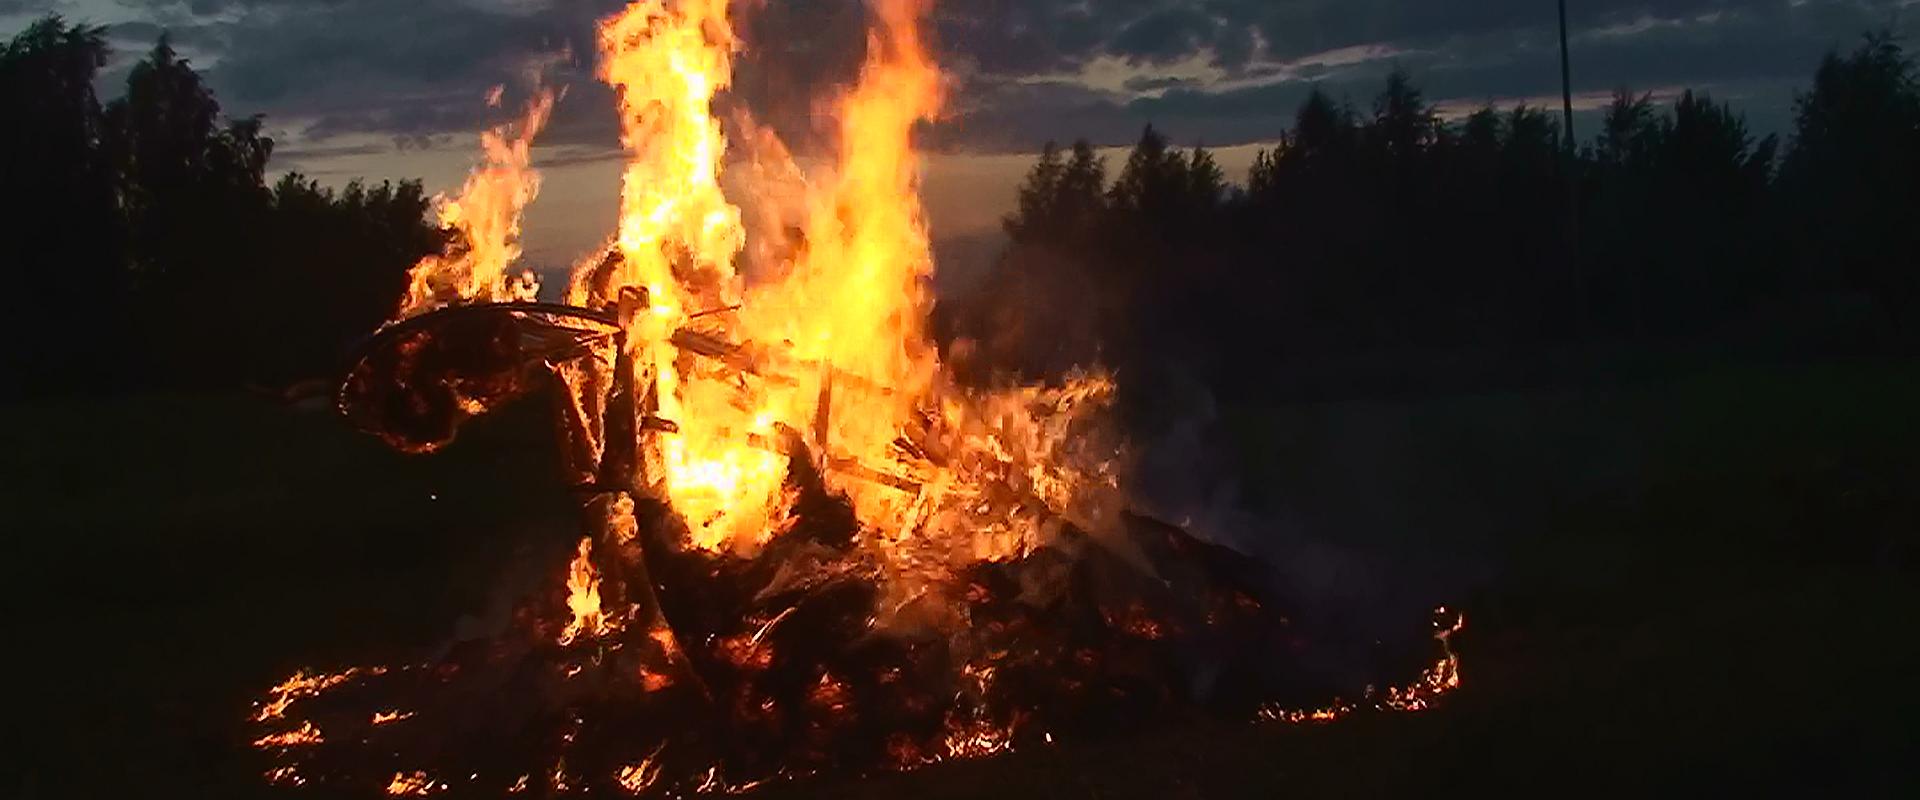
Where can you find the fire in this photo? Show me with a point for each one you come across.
(676, 244)
(302, 684)
(486, 216)
(413, 783)
(637, 778)
(1437, 680)
(977, 739)
(856, 300)
(285, 776)
(829, 350)
(966, 589)
(583, 596)
(302, 736)
(832, 348)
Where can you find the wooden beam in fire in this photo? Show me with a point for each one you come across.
(777, 367)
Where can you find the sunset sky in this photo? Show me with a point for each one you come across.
(394, 88)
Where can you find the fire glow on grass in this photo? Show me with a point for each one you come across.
(962, 595)
(1440, 678)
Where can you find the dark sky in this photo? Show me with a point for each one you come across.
(393, 87)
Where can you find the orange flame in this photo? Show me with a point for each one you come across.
(637, 778)
(856, 301)
(302, 736)
(831, 349)
(486, 216)
(414, 783)
(384, 717)
(1439, 679)
(583, 596)
(677, 241)
(302, 685)
(285, 776)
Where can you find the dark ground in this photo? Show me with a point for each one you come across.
(1688, 585)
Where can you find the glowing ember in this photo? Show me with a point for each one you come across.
(306, 734)
(1437, 680)
(977, 739)
(414, 783)
(637, 778)
(285, 776)
(300, 685)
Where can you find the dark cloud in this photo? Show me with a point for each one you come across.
(1051, 35)
(416, 70)
(1016, 116)
(409, 70)
(1270, 52)
(139, 32)
(130, 38)
(1010, 37)
(1166, 35)
(378, 47)
(1161, 83)
(8, 7)
(421, 67)
(296, 156)
(1754, 54)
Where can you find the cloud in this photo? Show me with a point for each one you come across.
(13, 7)
(1753, 53)
(409, 71)
(323, 152)
(1222, 71)
(1160, 83)
(1167, 35)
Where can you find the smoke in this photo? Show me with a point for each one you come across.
(1365, 607)
(1207, 468)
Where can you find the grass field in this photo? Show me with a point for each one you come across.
(1676, 587)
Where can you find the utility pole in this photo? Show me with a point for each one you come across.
(1569, 163)
(1566, 77)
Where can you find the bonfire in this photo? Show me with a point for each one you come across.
(807, 547)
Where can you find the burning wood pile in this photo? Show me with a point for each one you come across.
(807, 548)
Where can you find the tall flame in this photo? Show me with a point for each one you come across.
(676, 245)
(486, 216)
(678, 234)
(831, 350)
(856, 301)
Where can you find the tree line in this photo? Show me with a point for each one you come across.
(1389, 236)
(144, 248)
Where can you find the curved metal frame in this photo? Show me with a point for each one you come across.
(366, 345)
